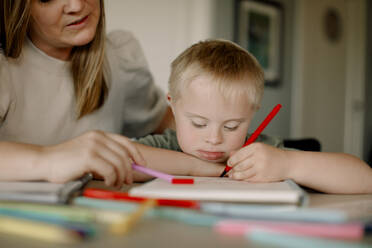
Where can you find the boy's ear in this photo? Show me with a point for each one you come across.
(169, 98)
(170, 102)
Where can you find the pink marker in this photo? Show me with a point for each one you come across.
(161, 175)
(347, 231)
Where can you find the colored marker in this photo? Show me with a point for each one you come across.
(161, 175)
(58, 213)
(275, 213)
(256, 133)
(38, 230)
(124, 226)
(121, 207)
(123, 196)
(188, 216)
(279, 239)
(345, 231)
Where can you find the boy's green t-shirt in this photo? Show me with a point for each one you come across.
(168, 140)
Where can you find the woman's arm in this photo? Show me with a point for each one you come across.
(106, 154)
(20, 162)
(175, 163)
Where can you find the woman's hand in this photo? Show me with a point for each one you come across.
(259, 162)
(106, 154)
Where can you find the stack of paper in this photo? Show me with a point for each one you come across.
(223, 189)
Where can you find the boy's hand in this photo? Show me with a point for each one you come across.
(259, 162)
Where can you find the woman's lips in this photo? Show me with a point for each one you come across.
(78, 22)
(210, 155)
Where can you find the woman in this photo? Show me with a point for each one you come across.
(61, 78)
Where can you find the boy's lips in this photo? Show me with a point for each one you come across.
(210, 155)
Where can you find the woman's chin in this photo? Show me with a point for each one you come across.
(83, 38)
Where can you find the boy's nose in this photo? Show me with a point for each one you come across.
(214, 137)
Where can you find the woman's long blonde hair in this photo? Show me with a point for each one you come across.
(86, 61)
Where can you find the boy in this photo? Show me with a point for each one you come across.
(215, 88)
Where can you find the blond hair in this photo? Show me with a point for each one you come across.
(234, 70)
(86, 61)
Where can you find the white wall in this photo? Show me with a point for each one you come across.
(163, 27)
(329, 76)
(323, 77)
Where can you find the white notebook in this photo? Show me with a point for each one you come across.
(223, 189)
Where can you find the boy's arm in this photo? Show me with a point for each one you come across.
(336, 173)
(330, 172)
(175, 163)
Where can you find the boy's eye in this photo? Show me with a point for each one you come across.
(231, 128)
(198, 125)
(44, 1)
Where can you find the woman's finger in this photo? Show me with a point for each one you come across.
(128, 167)
(132, 149)
(105, 169)
(110, 151)
(123, 152)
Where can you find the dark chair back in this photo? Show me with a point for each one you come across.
(306, 144)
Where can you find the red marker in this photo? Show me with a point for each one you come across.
(123, 196)
(258, 131)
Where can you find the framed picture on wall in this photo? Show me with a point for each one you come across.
(258, 28)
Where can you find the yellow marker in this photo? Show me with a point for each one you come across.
(124, 226)
(37, 230)
(67, 213)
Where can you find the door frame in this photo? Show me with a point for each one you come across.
(355, 77)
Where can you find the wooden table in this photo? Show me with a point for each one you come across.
(166, 233)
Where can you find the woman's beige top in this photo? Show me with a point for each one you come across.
(37, 102)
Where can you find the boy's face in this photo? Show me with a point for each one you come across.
(209, 126)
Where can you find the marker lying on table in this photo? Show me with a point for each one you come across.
(162, 175)
(38, 230)
(344, 231)
(123, 196)
(123, 227)
(256, 133)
